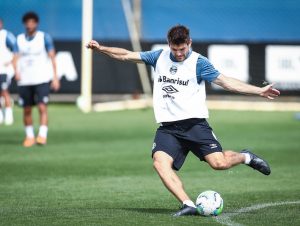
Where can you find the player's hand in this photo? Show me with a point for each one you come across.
(93, 45)
(17, 76)
(55, 84)
(269, 92)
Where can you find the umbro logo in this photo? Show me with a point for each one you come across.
(169, 89)
(212, 146)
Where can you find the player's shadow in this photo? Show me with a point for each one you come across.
(150, 210)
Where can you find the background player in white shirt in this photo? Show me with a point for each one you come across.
(8, 48)
(179, 107)
(36, 69)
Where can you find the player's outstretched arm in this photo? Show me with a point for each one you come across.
(116, 53)
(235, 85)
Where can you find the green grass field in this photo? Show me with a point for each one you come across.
(97, 170)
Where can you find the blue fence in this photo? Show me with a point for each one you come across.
(209, 20)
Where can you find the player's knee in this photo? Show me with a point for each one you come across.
(219, 165)
(27, 110)
(160, 164)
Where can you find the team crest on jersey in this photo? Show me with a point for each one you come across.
(173, 69)
(169, 89)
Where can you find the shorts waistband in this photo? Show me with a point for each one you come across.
(184, 121)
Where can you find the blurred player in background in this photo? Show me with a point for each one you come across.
(180, 109)
(8, 48)
(34, 75)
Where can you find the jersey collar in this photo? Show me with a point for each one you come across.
(28, 37)
(174, 59)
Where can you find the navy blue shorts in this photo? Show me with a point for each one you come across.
(34, 94)
(178, 138)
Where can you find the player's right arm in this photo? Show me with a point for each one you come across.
(116, 53)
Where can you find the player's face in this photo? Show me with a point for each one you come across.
(180, 51)
(30, 26)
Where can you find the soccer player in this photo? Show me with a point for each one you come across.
(180, 109)
(8, 48)
(34, 75)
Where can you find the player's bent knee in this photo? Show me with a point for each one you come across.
(161, 161)
(219, 165)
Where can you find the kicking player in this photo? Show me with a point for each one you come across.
(34, 75)
(8, 48)
(180, 109)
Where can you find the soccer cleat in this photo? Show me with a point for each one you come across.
(258, 163)
(41, 140)
(186, 211)
(29, 142)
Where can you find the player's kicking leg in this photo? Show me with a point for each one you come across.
(162, 163)
(227, 159)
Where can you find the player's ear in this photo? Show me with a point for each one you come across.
(190, 43)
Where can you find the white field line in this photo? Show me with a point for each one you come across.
(226, 217)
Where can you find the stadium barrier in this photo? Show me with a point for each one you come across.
(114, 77)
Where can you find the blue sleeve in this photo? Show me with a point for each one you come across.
(11, 42)
(150, 57)
(205, 70)
(48, 42)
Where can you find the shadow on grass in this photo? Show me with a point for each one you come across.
(150, 210)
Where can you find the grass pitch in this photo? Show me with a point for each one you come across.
(97, 170)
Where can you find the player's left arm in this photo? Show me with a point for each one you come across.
(235, 85)
(55, 84)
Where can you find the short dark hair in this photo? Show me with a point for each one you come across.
(178, 34)
(30, 15)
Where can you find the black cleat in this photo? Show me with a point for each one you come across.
(186, 211)
(258, 163)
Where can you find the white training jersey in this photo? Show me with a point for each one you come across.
(34, 64)
(6, 55)
(176, 94)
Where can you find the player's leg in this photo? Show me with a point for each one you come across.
(27, 101)
(2, 80)
(169, 154)
(227, 159)
(162, 163)
(206, 146)
(43, 130)
(42, 92)
(8, 113)
(224, 160)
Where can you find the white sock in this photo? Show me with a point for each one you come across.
(8, 111)
(43, 131)
(29, 131)
(9, 115)
(189, 203)
(247, 158)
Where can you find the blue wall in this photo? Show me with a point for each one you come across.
(209, 20)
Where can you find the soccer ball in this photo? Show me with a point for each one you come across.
(209, 203)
